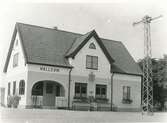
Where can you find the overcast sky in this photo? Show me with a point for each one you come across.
(111, 21)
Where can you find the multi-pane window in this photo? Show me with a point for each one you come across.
(91, 62)
(15, 59)
(101, 91)
(9, 88)
(80, 89)
(14, 87)
(126, 92)
(21, 87)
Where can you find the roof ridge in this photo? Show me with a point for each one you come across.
(65, 31)
(70, 32)
(111, 40)
(49, 28)
(34, 25)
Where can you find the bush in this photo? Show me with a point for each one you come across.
(16, 100)
(9, 101)
(13, 101)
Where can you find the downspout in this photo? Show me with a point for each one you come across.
(112, 76)
(69, 87)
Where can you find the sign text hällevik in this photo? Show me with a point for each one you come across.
(49, 69)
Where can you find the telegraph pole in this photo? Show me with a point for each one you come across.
(147, 85)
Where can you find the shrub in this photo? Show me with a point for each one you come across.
(16, 100)
(13, 101)
(9, 101)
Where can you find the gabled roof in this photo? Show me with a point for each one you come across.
(81, 41)
(124, 62)
(47, 46)
(76, 44)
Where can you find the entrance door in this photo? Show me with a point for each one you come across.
(49, 94)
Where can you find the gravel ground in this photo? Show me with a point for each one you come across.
(65, 116)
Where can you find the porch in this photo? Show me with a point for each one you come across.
(49, 95)
(60, 102)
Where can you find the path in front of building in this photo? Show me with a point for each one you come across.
(65, 116)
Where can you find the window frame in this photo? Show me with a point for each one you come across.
(15, 60)
(81, 86)
(91, 64)
(101, 87)
(126, 92)
(92, 46)
(21, 87)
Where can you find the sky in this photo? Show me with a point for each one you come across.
(110, 20)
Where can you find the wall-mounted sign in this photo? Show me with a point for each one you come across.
(91, 77)
(49, 69)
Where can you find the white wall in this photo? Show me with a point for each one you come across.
(79, 62)
(81, 74)
(35, 75)
(16, 73)
(32, 74)
(120, 80)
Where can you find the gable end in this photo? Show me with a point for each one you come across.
(16, 30)
(92, 34)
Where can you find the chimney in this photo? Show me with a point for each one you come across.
(55, 27)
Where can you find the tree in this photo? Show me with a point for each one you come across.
(159, 77)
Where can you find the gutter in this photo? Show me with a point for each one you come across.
(69, 87)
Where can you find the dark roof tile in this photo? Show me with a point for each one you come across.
(50, 46)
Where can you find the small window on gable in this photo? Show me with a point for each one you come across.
(92, 46)
(15, 59)
(16, 42)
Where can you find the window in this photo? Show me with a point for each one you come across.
(21, 87)
(101, 91)
(126, 92)
(14, 87)
(91, 62)
(80, 89)
(92, 46)
(49, 88)
(9, 88)
(15, 60)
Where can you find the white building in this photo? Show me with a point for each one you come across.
(52, 68)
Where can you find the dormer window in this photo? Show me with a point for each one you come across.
(92, 46)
